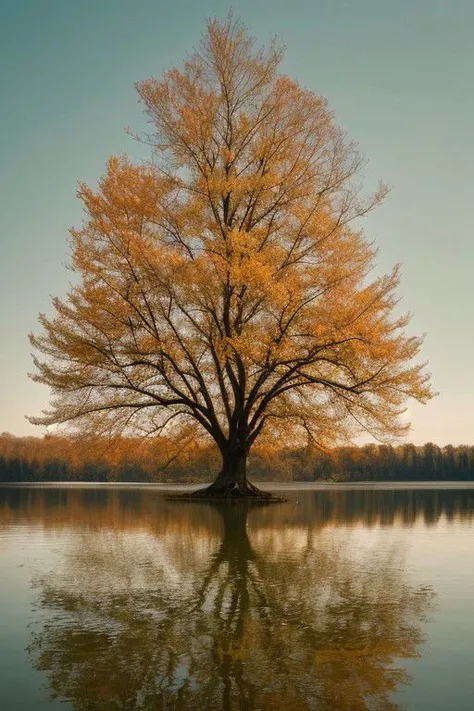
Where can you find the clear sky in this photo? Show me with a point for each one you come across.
(399, 76)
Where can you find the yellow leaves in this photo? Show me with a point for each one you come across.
(229, 270)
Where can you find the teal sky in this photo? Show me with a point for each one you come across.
(399, 76)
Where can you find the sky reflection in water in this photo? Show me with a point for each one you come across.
(151, 604)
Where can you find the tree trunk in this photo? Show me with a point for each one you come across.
(234, 469)
(232, 482)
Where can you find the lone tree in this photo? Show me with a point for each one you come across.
(226, 283)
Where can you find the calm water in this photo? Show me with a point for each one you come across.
(341, 598)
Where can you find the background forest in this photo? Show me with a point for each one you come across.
(55, 458)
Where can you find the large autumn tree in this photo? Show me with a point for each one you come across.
(226, 283)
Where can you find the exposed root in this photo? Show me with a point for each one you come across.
(230, 491)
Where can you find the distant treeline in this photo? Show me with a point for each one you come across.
(55, 458)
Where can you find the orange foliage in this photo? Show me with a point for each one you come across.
(226, 285)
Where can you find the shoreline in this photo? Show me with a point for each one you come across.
(265, 485)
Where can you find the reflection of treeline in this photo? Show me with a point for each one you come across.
(54, 458)
(223, 610)
(56, 508)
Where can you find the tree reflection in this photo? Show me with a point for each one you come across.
(239, 617)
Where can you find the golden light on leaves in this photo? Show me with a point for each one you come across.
(228, 282)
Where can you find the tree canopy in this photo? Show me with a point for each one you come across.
(227, 283)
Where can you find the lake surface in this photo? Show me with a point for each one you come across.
(342, 598)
